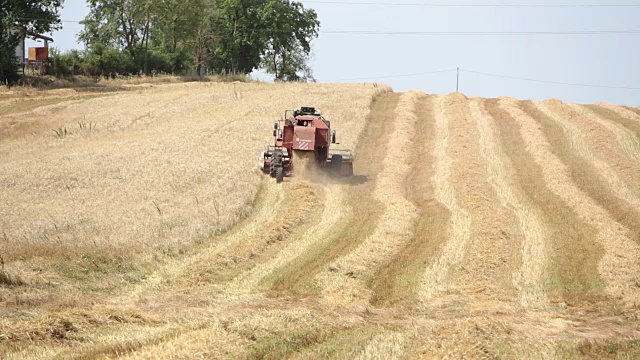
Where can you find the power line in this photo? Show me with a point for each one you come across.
(550, 81)
(486, 74)
(36, 19)
(476, 5)
(473, 33)
(439, 33)
(391, 76)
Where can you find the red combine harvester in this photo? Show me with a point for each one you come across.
(304, 130)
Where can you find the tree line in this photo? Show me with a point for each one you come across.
(184, 37)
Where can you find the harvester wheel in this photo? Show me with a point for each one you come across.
(279, 175)
(276, 162)
(336, 162)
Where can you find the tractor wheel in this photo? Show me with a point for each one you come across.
(276, 162)
(279, 175)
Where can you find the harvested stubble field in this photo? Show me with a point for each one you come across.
(474, 228)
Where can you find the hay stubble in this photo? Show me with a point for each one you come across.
(467, 230)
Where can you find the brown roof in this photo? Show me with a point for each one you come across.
(40, 36)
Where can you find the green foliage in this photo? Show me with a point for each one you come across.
(289, 65)
(186, 36)
(18, 19)
(177, 23)
(292, 29)
(69, 63)
(117, 23)
(8, 62)
(101, 61)
(241, 34)
(169, 36)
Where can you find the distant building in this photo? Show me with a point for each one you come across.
(21, 49)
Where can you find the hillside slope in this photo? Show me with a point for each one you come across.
(476, 228)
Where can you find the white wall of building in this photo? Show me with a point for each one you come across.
(20, 51)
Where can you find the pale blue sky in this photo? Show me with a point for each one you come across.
(611, 59)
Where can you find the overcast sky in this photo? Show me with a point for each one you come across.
(600, 59)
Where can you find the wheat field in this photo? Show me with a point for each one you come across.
(135, 224)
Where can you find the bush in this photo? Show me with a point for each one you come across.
(111, 62)
(66, 64)
(107, 62)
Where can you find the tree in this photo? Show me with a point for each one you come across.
(122, 24)
(203, 49)
(240, 29)
(292, 27)
(150, 31)
(289, 65)
(183, 29)
(229, 36)
(22, 18)
(178, 22)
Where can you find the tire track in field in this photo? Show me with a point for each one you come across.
(270, 198)
(245, 253)
(579, 143)
(619, 265)
(344, 281)
(334, 210)
(534, 253)
(434, 279)
(481, 337)
(398, 280)
(298, 276)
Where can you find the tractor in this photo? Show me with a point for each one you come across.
(304, 130)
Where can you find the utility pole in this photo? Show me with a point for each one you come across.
(457, 79)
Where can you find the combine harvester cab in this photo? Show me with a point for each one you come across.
(305, 130)
(308, 131)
